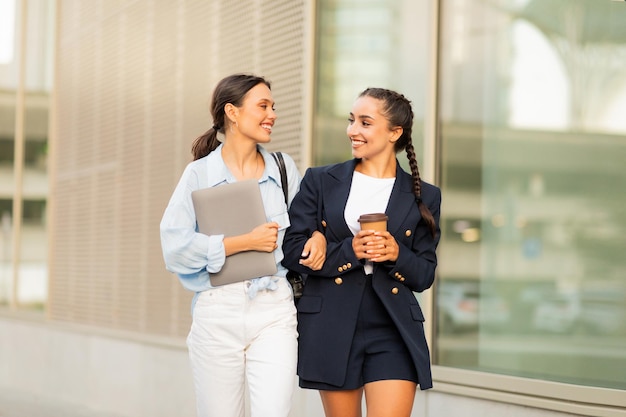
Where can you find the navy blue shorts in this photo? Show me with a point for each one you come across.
(378, 351)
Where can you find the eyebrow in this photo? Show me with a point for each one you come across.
(267, 100)
(364, 116)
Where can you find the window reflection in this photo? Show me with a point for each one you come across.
(531, 259)
(378, 43)
(23, 272)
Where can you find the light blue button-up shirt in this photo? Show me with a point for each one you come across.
(194, 256)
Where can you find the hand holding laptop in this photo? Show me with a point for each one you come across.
(236, 211)
(262, 238)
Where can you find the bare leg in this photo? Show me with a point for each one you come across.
(342, 403)
(390, 398)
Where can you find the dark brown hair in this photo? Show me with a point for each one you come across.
(397, 109)
(231, 89)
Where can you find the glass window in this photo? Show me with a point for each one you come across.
(8, 80)
(375, 43)
(532, 266)
(23, 172)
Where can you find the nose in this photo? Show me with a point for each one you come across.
(272, 114)
(351, 129)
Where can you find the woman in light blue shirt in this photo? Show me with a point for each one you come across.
(245, 331)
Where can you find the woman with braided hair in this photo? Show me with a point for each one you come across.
(360, 326)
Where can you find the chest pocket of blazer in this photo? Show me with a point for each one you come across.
(416, 312)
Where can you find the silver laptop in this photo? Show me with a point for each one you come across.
(234, 209)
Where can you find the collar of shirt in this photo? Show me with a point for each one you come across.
(217, 171)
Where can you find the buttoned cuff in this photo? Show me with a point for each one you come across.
(216, 254)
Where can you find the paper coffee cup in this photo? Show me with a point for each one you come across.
(373, 221)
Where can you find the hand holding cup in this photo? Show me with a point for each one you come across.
(373, 241)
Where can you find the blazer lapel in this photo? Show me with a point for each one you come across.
(337, 188)
(401, 201)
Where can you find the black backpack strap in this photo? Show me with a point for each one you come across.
(280, 161)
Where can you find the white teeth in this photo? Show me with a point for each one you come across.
(267, 127)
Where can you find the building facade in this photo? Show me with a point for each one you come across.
(518, 118)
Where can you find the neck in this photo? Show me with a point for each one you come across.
(377, 169)
(243, 161)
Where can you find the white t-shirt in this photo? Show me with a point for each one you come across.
(367, 195)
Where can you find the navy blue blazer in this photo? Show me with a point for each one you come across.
(328, 309)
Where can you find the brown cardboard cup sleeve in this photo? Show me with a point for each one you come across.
(373, 221)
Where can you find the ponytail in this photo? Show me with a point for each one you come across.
(205, 144)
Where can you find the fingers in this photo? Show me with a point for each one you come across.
(314, 253)
(389, 250)
(273, 225)
(315, 262)
(264, 237)
(378, 246)
(367, 244)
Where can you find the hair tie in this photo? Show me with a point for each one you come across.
(216, 128)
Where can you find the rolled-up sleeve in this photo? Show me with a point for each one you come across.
(185, 250)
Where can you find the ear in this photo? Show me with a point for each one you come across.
(396, 132)
(231, 111)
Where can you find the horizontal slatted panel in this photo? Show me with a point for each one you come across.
(134, 83)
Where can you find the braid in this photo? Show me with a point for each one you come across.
(397, 109)
(417, 190)
(417, 183)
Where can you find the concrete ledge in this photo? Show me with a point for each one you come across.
(65, 370)
(20, 404)
(103, 373)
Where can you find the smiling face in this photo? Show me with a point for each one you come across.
(369, 131)
(255, 118)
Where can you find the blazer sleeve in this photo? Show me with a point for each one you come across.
(305, 216)
(417, 263)
(303, 219)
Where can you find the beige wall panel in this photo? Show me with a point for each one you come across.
(135, 79)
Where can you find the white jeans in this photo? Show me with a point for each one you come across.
(233, 339)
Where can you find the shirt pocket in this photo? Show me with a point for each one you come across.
(283, 223)
(282, 219)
